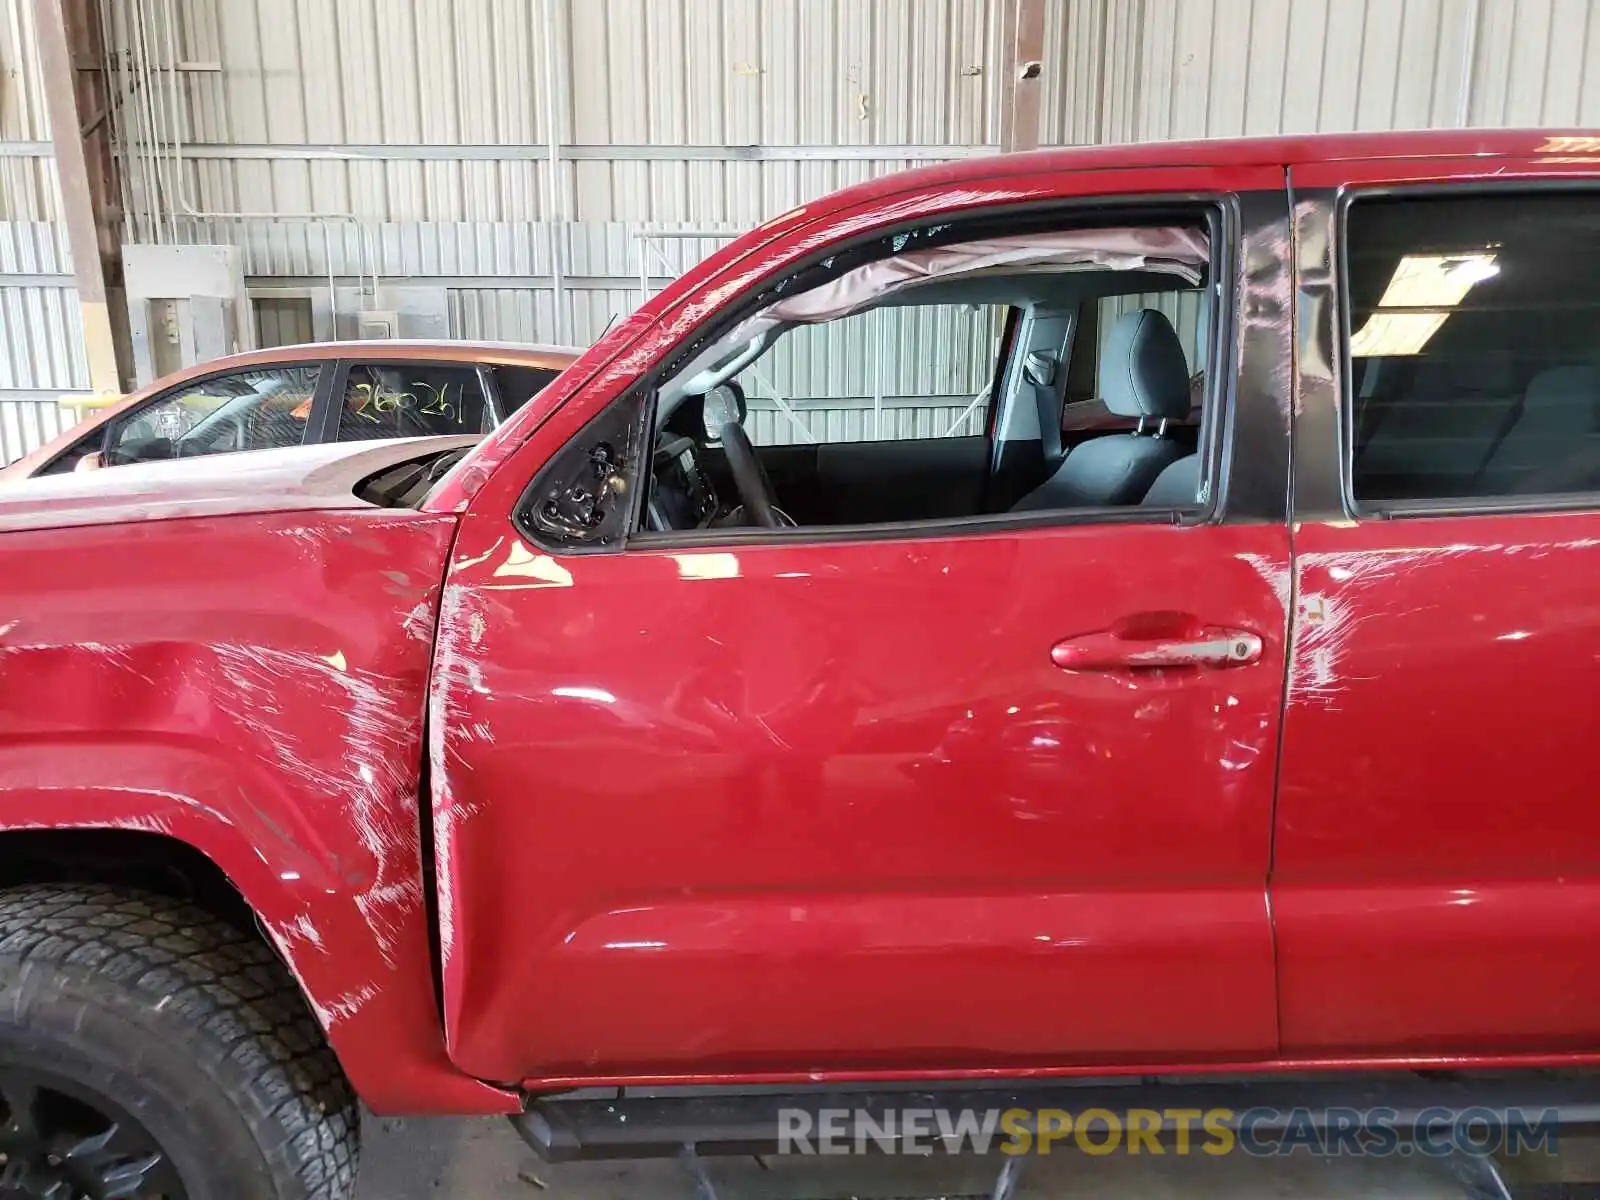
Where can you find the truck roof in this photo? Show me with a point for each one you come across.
(1234, 152)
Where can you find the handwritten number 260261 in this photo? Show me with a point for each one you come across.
(423, 398)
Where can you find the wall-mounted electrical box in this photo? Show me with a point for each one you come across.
(373, 325)
(405, 310)
(186, 304)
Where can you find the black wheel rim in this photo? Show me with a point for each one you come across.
(62, 1141)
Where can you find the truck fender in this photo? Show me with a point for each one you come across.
(370, 986)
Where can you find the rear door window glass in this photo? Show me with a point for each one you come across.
(419, 400)
(1474, 345)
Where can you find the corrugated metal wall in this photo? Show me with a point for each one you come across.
(424, 130)
(41, 340)
(1137, 70)
(27, 173)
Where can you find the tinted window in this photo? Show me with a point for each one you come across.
(411, 401)
(1474, 345)
(518, 385)
(260, 409)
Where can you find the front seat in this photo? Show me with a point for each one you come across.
(1143, 374)
(1176, 487)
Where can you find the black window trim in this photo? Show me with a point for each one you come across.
(1227, 230)
(1442, 506)
(488, 380)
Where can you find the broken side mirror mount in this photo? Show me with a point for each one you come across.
(583, 498)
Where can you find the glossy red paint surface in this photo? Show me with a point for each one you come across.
(808, 789)
(632, 967)
(1435, 882)
(1013, 1071)
(252, 685)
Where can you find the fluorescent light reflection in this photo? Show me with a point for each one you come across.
(1421, 281)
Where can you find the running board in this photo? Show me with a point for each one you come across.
(663, 1122)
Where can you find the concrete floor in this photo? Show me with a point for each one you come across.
(442, 1159)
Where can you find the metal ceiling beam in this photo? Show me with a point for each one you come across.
(520, 152)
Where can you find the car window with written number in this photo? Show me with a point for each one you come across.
(421, 400)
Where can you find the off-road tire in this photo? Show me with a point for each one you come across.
(192, 1026)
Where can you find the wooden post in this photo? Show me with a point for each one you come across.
(1021, 72)
(77, 198)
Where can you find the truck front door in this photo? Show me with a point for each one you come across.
(927, 797)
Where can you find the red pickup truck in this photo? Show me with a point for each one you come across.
(634, 748)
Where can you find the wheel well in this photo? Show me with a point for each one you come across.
(150, 862)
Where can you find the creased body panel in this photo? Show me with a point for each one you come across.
(831, 808)
(254, 686)
(1436, 878)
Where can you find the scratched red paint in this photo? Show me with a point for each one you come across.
(874, 839)
(245, 681)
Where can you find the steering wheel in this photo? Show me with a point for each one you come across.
(749, 476)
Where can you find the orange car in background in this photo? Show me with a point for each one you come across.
(293, 395)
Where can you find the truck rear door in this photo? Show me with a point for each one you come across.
(1436, 873)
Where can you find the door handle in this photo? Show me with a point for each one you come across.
(1115, 651)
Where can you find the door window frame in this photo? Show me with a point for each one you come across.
(329, 426)
(1343, 198)
(1227, 230)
